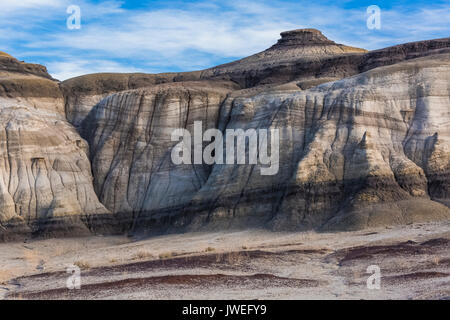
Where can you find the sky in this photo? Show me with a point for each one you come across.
(169, 36)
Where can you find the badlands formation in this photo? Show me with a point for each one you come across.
(364, 142)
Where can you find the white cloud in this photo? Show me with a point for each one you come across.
(170, 32)
(62, 70)
(14, 5)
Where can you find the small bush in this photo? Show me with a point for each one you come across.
(140, 255)
(165, 255)
(82, 264)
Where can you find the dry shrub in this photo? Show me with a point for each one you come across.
(165, 255)
(82, 264)
(436, 260)
(140, 255)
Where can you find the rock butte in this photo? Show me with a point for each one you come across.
(365, 142)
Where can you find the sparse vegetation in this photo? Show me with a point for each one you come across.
(210, 249)
(436, 260)
(82, 264)
(140, 255)
(165, 255)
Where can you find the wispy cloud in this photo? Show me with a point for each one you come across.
(11, 6)
(76, 67)
(178, 36)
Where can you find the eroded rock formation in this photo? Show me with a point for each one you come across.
(45, 173)
(130, 138)
(364, 142)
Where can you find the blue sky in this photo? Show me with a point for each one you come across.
(164, 36)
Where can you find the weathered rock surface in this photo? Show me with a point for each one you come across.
(84, 92)
(412, 50)
(130, 138)
(299, 55)
(364, 151)
(353, 150)
(45, 175)
(11, 64)
(364, 141)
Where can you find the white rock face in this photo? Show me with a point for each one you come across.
(44, 165)
(83, 93)
(78, 107)
(130, 138)
(354, 153)
(45, 174)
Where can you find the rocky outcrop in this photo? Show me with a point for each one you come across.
(130, 138)
(300, 55)
(354, 153)
(10, 64)
(84, 92)
(45, 175)
(402, 52)
(364, 142)
(366, 163)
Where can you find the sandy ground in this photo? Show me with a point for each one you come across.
(413, 260)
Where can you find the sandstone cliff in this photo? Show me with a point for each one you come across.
(364, 151)
(84, 92)
(364, 142)
(130, 138)
(357, 152)
(45, 174)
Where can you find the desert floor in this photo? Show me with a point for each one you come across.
(414, 263)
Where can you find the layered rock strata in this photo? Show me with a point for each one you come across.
(45, 174)
(364, 142)
(364, 151)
